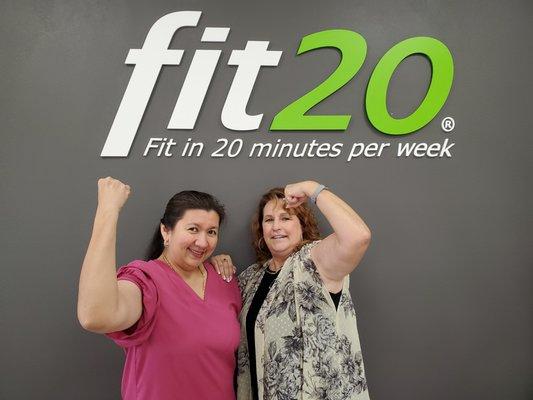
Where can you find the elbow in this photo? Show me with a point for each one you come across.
(91, 322)
(356, 241)
(353, 248)
(88, 323)
(361, 239)
(365, 237)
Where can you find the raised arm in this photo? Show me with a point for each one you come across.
(339, 253)
(105, 304)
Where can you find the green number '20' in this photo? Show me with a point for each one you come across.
(353, 48)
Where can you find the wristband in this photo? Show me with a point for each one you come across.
(317, 192)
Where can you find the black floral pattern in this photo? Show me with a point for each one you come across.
(307, 350)
(284, 301)
(282, 377)
(243, 360)
(347, 306)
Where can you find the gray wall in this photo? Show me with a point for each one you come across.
(444, 293)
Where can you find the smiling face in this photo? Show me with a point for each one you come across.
(193, 239)
(282, 230)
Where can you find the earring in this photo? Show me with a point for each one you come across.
(259, 242)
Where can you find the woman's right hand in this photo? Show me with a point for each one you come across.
(224, 266)
(105, 304)
(112, 194)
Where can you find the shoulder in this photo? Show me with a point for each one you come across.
(303, 256)
(248, 274)
(227, 290)
(305, 250)
(303, 262)
(143, 273)
(141, 265)
(231, 285)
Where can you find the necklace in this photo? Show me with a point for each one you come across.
(270, 276)
(269, 271)
(204, 275)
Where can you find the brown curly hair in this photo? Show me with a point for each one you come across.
(307, 219)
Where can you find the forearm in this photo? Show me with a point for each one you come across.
(98, 290)
(349, 228)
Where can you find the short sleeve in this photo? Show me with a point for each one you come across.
(142, 329)
(236, 295)
(305, 252)
(305, 262)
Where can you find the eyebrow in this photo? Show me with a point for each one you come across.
(283, 213)
(198, 225)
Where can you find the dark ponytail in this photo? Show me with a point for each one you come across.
(155, 248)
(176, 207)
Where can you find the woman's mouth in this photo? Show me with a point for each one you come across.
(278, 237)
(197, 253)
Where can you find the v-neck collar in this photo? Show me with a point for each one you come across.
(182, 281)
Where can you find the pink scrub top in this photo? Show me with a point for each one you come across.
(182, 347)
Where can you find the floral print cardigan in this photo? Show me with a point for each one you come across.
(305, 348)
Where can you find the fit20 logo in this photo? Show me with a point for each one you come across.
(351, 45)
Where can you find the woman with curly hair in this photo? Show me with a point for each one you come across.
(299, 337)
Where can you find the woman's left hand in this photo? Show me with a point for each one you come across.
(298, 193)
(224, 266)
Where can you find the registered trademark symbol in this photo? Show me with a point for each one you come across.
(447, 124)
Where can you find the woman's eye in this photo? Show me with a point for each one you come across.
(193, 229)
(213, 233)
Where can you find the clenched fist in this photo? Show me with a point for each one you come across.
(112, 194)
(298, 193)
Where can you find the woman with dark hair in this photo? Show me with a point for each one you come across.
(299, 336)
(177, 323)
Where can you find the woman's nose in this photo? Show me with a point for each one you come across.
(202, 240)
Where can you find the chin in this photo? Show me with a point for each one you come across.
(193, 263)
(280, 252)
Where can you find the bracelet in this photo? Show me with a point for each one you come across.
(317, 192)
